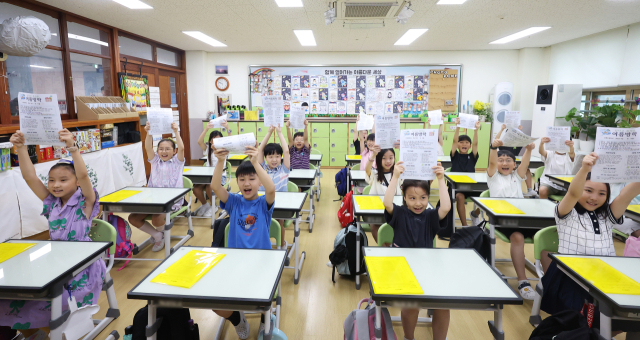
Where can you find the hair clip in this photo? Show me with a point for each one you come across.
(65, 161)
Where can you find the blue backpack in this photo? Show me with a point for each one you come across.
(341, 182)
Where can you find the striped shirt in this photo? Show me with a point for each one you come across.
(279, 176)
(166, 174)
(299, 158)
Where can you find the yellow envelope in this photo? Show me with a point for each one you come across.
(238, 157)
(392, 276)
(602, 275)
(9, 250)
(635, 208)
(501, 207)
(353, 157)
(566, 179)
(189, 269)
(369, 202)
(461, 179)
(119, 195)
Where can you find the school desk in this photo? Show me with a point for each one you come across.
(236, 158)
(443, 275)
(444, 160)
(315, 159)
(305, 180)
(40, 272)
(534, 161)
(561, 180)
(245, 279)
(199, 174)
(369, 216)
(358, 178)
(612, 306)
(480, 185)
(352, 160)
(538, 214)
(151, 201)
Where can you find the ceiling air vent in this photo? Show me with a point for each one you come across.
(367, 10)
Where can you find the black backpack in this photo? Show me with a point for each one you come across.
(473, 237)
(343, 256)
(218, 232)
(176, 324)
(565, 325)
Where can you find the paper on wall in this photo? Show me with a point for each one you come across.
(514, 137)
(160, 120)
(558, 135)
(467, 121)
(296, 117)
(387, 130)
(235, 143)
(419, 152)
(436, 117)
(618, 152)
(40, 119)
(512, 119)
(217, 122)
(273, 110)
(365, 122)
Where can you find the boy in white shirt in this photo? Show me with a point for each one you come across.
(504, 181)
(555, 163)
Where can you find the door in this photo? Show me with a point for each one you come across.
(173, 95)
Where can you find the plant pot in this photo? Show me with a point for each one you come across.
(576, 144)
(481, 119)
(587, 145)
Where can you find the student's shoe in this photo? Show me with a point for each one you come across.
(210, 211)
(203, 209)
(531, 193)
(158, 247)
(526, 291)
(475, 219)
(243, 327)
(197, 212)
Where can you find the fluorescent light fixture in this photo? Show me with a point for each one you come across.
(305, 37)
(79, 37)
(204, 38)
(36, 254)
(38, 66)
(451, 2)
(289, 3)
(410, 36)
(133, 4)
(529, 31)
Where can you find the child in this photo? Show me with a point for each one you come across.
(274, 158)
(516, 151)
(367, 141)
(415, 226)
(585, 220)
(463, 161)
(504, 180)
(70, 203)
(300, 150)
(555, 163)
(629, 226)
(206, 210)
(166, 172)
(379, 180)
(249, 215)
(359, 137)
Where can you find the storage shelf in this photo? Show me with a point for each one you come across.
(57, 159)
(72, 123)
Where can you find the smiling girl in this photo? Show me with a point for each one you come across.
(379, 179)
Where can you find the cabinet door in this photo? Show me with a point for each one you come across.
(322, 145)
(339, 145)
(337, 159)
(352, 128)
(414, 126)
(261, 130)
(246, 127)
(320, 130)
(338, 130)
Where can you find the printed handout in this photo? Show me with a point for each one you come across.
(618, 152)
(235, 143)
(387, 130)
(273, 109)
(515, 138)
(419, 152)
(366, 122)
(436, 117)
(558, 135)
(467, 121)
(296, 117)
(40, 118)
(512, 119)
(217, 122)
(160, 120)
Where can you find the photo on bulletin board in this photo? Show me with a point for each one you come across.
(134, 89)
(342, 81)
(222, 69)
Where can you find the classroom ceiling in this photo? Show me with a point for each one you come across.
(261, 26)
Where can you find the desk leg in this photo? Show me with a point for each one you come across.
(495, 326)
(296, 241)
(152, 325)
(167, 236)
(378, 323)
(312, 214)
(605, 326)
(455, 210)
(492, 237)
(358, 255)
(267, 325)
(56, 315)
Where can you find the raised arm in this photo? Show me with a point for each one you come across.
(286, 157)
(356, 133)
(445, 201)
(474, 145)
(502, 128)
(577, 185)
(174, 127)
(201, 142)
(267, 182)
(225, 125)
(306, 134)
(524, 163)
(440, 133)
(372, 158)
(454, 145)
(620, 203)
(26, 167)
(572, 152)
(264, 143)
(391, 189)
(289, 136)
(148, 142)
(541, 149)
(220, 191)
(493, 157)
(81, 170)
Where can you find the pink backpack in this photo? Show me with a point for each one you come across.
(124, 246)
(360, 324)
(632, 247)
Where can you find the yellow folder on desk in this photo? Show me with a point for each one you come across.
(635, 208)
(369, 202)
(9, 250)
(238, 157)
(392, 276)
(461, 179)
(119, 195)
(189, 269)
(353, 157)
(185, 170)
(566, 179)
(602, 275)
(501, 207)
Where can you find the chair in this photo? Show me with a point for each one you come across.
(536, 176)
(291, 187)
(318, 176)
(316, 152)
(544, 240)
(466, 200)
(104, 232)
(184, 211)
(355, 167)
(366, 226)
(230, 172)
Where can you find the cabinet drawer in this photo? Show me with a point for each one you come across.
(246, 128)
(339, 130)
(337, 159)
(320, 130)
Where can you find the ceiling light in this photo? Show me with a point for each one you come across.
(529, 31)
(79, 37)
(405, 14)
(38, 66)
(289, 3)
(451, 2)
(133, 4)
(204, 38)
(305, 37)
(329, 16)
(410, 36)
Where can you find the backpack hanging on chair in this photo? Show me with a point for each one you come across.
(343, 256)
(345, 212)
(124, 246)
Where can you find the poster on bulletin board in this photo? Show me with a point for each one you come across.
(339, 90)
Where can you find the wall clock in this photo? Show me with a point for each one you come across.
(222, 83)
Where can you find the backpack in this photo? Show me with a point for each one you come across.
(341, 182)
(345, 212)
(343, 256)
(360, 323)
(565, 325)
(218, 232)
(175, 324)
(473, 237)
(124, 246)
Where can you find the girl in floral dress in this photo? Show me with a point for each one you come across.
(70, 203)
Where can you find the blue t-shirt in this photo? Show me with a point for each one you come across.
(249, 222)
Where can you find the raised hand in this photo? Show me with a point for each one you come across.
(503, 127)
(288, 124)
(439, 171)
(477, 125)
(17, 139)
(147, 127)
(399, 169)
(279, 128)
(589, 161)
(569, 143)
(174, 127)
(458, 121)
(306, 122)
(530, 146)
(375, 150)
(66, 137)
(225, 125)
(496, 143)
(220, 154)
(272, 128)
(252, 151)
(545, 140)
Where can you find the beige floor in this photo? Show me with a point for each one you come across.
(315, 309)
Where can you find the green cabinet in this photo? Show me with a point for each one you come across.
(338, 130)
(447, 136)
(261, 130)
(320, 130)
(484, 140)
(322, 145)
(339, 145)
(246, 127)
(413, 126)
(338, 159)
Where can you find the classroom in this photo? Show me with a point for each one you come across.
(316, 169)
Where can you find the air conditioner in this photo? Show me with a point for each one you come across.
(367, 10)
(501, 100)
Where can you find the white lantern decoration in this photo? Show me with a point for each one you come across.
(23, 36)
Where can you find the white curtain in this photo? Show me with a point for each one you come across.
(100, 171)
(30, 204)
(9, 209)
(127, 166)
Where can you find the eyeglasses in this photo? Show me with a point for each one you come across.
(165, 149)
(507, 160)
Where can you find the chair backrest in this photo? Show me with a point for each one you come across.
(102, 231)
(485, 194)
(385, 235)
(447, 170)
(356, 167)
(312, 167)
(274, 232)
(545, 239)
(366, 190)
(538, 173)
(186, 183)
(230, 172)
(292, 187)
(316, 152)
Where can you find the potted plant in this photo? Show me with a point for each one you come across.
(607, 116)
(483, 110)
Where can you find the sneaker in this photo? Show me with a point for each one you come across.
(243, 327)
(475, 219)
(159, 245)
(198, 211)
(203, 209)
(208, 212)
(526, 291)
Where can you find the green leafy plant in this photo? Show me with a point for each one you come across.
(609, 116)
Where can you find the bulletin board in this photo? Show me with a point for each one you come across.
(344, 90)
(134, 89)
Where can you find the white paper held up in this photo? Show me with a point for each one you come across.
(512, 119)
(297, 117)
(558, 135)
(366, 122)
(273, 109)
(435, 116)
(618, 152)
(515, 138)
(40, 119)
(235, 143)
(419, 152)
(217, 122)
(387, 130)
(467, 121)
(160, 120)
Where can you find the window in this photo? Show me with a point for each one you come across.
(135, 48)
(88, 39)
(583, 103)
(167, 57)
(41, 73)
(91, 75)
(614, 98)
